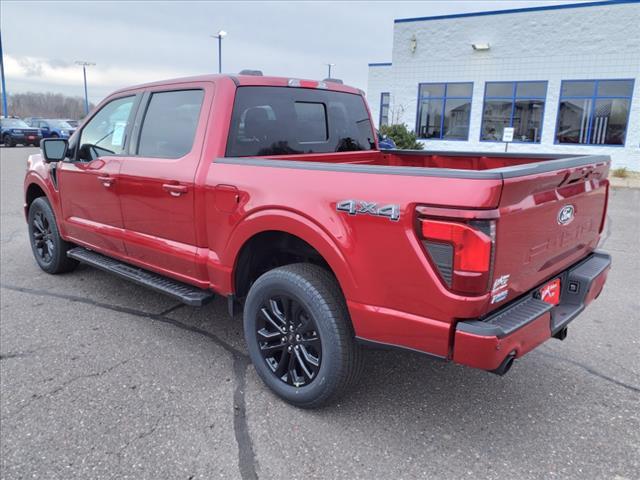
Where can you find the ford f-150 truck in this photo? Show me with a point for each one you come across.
(272, 193)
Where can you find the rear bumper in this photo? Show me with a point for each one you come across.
(493, 342)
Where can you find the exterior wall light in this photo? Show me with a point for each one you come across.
(480, 46)
(414, 44)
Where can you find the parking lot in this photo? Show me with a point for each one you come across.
(103, 379)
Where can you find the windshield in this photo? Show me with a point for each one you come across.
(287, 121)
(13, 123)
(58, 124)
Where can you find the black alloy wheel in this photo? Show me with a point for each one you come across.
(49, 248)
(288, 340)
(43, 244)
(299, 335)
(8, 141)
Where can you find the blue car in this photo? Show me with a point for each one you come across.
(385, 143)
(14, 131)
(53, 128)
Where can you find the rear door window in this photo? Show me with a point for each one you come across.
(170, 124)
(285, 120)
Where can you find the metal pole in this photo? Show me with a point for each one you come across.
(329, 70)
(5, 111)
(219, 53)
(86, 96)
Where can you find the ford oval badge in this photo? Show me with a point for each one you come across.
(566, 214)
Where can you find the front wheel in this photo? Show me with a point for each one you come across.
(8, 141)
(299, 335)
(49, 249)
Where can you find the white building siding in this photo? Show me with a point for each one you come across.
(595, 42)
(379, 82)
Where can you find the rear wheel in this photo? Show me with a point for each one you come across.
(299, 335)
(8, 141)
(49, 249)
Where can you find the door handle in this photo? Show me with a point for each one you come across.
(106, 180)
(174, 189)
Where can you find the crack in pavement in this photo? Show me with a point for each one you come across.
(247, 462)
(66, 383)
(4, 356)
(590, 370)
(140, 436)
(246, 455)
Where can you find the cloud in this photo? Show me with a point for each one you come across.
(59, 72)
(30, 67)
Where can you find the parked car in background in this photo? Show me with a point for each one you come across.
(71, 121)
(15, 131)
(30, 120)
(53, 128)
(385, 143)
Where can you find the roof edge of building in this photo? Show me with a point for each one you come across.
(516, 10)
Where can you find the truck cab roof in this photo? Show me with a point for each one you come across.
(253, 80)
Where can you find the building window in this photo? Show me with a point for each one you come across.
(594, 112)
(444, 110)
(513, 104)
(385, 99)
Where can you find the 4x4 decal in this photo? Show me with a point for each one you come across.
(354, 207)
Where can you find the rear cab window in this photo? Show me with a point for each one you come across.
(289, 121)
(170, 123)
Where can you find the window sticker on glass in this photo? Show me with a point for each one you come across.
(118, 134)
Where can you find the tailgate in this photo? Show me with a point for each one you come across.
(548, 221)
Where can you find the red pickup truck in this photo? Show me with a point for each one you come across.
(272, 192)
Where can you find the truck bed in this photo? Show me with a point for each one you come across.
(447, 164)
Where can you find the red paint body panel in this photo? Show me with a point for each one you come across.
(488, 352)
(394, 293)
(90, 204)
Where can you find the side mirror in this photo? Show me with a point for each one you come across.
(45, 128)
(54, 149)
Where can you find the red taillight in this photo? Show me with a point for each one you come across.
(462, 252)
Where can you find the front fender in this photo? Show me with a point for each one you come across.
(38, 173)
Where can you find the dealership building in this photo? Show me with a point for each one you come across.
(564, 77)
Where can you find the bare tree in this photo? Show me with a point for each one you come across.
(46, 105)
(397, 113)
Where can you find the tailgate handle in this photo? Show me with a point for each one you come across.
(587, 173)
(584, 174)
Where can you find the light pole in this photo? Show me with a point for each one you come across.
(5, 112)
(330, 65)
(221, 34)
(84, 73)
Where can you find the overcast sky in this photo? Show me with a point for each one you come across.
(136, 42)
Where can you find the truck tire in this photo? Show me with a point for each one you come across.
(299, 335)
(49, 249)
(8, 141)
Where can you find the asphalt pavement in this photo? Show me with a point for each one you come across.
(104, 379)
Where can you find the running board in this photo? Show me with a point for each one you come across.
(188, 294)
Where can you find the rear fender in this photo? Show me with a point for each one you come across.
(294, 224)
